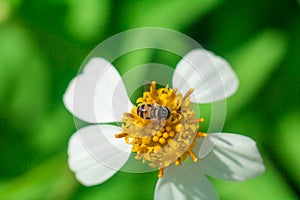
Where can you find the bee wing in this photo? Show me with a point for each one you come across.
(98, 94)
(211, 76)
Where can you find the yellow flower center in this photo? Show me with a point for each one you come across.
(162, 128)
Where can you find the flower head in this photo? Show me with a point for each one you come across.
(161, 130)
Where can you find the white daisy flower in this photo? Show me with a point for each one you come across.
(161, 130)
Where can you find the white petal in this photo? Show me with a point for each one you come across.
(95, 155)
(211, 76)
(184, 182)
(98, 94)
(230, 157)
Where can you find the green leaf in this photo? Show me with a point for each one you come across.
(7, 7)
(174, 14)
(287, 144)
(88, 19)
(270, 185)
(123, 186)
(23, 76)
(254, 63)
(39, 182)
(53, 131)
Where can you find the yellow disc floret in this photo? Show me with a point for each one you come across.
(161, 142)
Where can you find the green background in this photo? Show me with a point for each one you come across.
(43, 43)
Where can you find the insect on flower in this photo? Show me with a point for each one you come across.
(153, 111)
(161, 130)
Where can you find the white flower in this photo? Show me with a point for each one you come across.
(98, 95)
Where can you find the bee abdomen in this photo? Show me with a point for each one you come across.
(153, 112)
(162, 113)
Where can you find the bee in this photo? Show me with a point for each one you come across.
(153, 112)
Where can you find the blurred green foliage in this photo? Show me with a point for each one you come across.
(43, 43)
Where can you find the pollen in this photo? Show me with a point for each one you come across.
(165, 141)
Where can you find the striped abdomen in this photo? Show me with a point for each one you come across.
(153, 112)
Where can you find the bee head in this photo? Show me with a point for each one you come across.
(143, 111)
